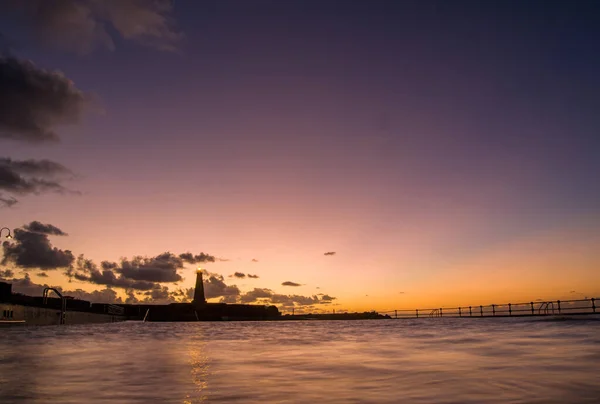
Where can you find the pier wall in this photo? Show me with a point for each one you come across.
(45, 316)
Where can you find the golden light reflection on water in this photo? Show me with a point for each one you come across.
(198, 361)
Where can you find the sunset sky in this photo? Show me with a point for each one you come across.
(441, 152)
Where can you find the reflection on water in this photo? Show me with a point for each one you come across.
(404, 361)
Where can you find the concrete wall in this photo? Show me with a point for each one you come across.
(42, 316)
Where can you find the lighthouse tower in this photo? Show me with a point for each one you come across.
(199, 291)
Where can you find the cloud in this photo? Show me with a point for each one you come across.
(289, 283)
(161, 268)
(34, 250)
(196, 259)
(7, 273)
(42, 275)
(330, 253)
(239, 275)
(86, 270)
(84, 25)
(18, 177)
(253, 276)
(7, 202)
(254, 260)
(33, 101)
(267, 296)
(214, 286)
(255, 294)
(37, 227)
(138, 273)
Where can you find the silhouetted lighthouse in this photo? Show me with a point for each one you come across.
(199, 291)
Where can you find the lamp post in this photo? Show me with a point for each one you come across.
(9, 236)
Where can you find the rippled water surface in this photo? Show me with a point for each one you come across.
(378, 361)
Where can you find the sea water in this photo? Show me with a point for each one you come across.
(525, 360)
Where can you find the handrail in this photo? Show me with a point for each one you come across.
(63, 303)
(551, 307)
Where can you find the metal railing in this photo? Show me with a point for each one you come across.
(63, 303)
(538, 308)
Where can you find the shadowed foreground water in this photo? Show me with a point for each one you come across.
(404, 361)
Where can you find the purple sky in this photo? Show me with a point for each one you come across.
(415, 139)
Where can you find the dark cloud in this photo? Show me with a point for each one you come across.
(137, 273)
(254, 260)
(37, 227)
(33, 101)
(214, 286)
(34, 250)
(16, 178)
(7, 273)
(293, 300)
(239, 275)
(330, 253)
(86, 270)
(196, 259)
(83, 25)
(289, 283)
(255, 294)
(253, 276)
(42, 275)
(31, 177)
(266, 296)
(7, 201)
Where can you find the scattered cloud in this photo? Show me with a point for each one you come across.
(137, 273)
(30, 177)
(33, 101)
(255, 294)
(239, 275)
(401, 293)
(33, 250)
(84, 25)
(289, 283)
(330, 253)
(196, 259)
(253, 276)
(267, 296)
(214, 286)
(254, 260)
(6, 273)
(37, 227)
(42, 275)
(7, 201)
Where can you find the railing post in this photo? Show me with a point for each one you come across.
(481, 310)
(441, 313)
(470, 312)
(417, 313)
(459, 312)
(532, 309)
(594, 304)
(493, 309)
(558, 303)
(510, 309)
